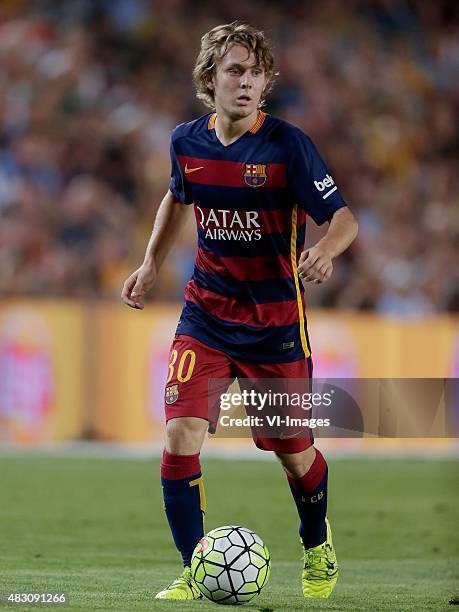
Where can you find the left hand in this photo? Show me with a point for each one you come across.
(315, 265)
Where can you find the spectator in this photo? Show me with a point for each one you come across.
(89, 92)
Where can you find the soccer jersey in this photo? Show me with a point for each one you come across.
(251, 202)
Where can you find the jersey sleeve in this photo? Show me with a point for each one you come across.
(178, 186)
(311, 182)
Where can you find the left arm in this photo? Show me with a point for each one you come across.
(316, 263)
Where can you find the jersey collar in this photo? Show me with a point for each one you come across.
(254, 129)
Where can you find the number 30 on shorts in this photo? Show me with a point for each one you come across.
(185, 365)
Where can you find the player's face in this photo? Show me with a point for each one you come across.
(238, 83)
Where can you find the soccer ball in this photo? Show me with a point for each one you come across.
(231, 565)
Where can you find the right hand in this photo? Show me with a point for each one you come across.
(140, 281)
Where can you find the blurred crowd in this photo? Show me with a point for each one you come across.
(90, 90)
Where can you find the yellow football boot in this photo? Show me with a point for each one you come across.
(320, 571)
(183, 587)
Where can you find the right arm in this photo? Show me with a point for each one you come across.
(170, 219)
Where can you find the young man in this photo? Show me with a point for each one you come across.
(252, 180)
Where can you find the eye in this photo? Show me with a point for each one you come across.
(233, 71)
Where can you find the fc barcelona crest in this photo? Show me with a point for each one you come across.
(255, 175)
(171, 394)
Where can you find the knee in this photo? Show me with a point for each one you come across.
(297, 464)
(185, 435)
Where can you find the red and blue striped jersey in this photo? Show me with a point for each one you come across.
(251, 201)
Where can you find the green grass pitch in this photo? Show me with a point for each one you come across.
(95, 529)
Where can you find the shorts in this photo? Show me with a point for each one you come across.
(192, 364)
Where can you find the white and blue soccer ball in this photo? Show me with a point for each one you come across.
(231, 565)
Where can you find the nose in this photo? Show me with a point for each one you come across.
(246, 80)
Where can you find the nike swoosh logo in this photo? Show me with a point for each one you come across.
(190, 170)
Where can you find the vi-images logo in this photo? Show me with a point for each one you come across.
(326, 183)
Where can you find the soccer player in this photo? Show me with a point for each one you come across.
(252, 180)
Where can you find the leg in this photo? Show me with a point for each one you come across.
(181, 478)
(185, 435)
(188, 411)
(297, 464)
(305, 467)
(307, 476)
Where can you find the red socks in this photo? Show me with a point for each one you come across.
(176, 467)
(310, 495)
(314, 476)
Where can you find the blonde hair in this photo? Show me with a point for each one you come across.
(216, 43)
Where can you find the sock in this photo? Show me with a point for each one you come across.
(310, 495)
(184, 500)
